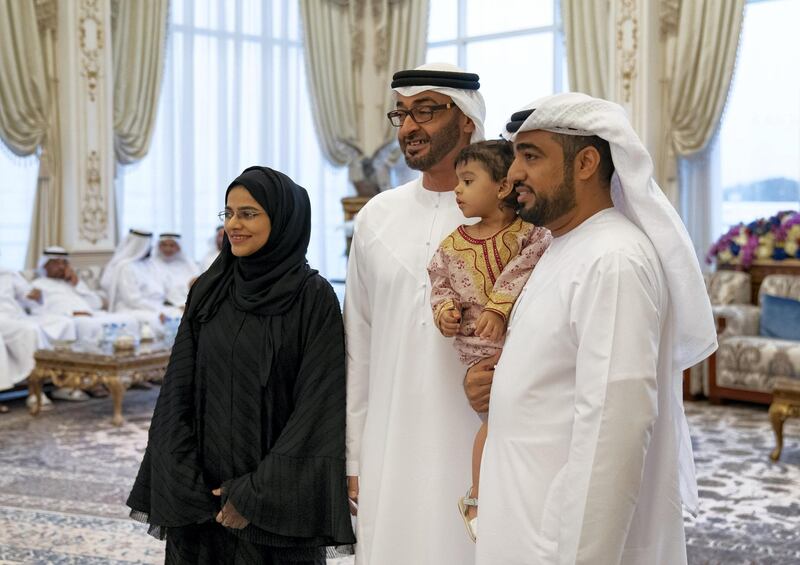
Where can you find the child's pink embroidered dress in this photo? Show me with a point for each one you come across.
(476, 274)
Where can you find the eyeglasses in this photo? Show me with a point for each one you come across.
(243, 215)
(419, 114)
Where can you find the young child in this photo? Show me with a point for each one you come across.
(479, 270)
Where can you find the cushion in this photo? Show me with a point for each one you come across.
(780, 317)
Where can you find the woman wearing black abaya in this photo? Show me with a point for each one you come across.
(245, 456)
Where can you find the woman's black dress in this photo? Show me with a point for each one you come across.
(253, 402)
(259, 410)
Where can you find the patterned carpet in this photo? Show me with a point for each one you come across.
(749, 506)
(64, 477)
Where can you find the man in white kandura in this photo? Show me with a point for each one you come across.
(588, 458)
(64, 294)
(177, 270)
(133, 241)
(136, 285)
(18, 298)
(23, 333)
(409, 425)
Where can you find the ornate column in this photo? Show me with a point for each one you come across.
(635, 66)
(85, 101)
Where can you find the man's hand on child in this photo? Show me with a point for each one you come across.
(449, 322)
(478, 383)
(490, 326)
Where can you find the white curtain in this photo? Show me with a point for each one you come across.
(700, 56)
(46, 223)
(29, 109)
(698, 177)
(328, 29)
(352, 48)
(139, 38)
(586, 33)
(24, 97)
(233, 95)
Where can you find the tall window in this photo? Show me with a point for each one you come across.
(17, 192)
(759, 140)
(514, 42)
(234, 95)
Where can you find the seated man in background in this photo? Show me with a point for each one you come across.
(23, 333)
(136, 285)
(178, 272)
(133, 241)
(18, 340)
(64, 294)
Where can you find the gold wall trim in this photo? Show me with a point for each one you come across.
(627, 46)
(94, 218)
(91, 41)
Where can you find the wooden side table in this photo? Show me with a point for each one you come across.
(86, 369)
(785, 404)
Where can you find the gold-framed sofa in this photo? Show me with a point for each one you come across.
(747, 364)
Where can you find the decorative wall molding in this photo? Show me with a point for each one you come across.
(627, 46)
(93, 214)
(92, 43)
(669, 14)
(47, 14)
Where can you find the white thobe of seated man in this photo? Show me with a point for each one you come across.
(140, 291)
(24, 333)
(64, 294)
(178, 272)
(18, 297)
(19, 339)
(133, 282)
(135, 240)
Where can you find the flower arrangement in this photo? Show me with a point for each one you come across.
(775, 238)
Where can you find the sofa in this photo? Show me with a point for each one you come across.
(724, 288)
(746, 363)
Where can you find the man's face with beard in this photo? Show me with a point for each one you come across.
(425, 144)
(55, 268)
(546, 188)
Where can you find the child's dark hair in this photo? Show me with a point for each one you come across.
(496, 156)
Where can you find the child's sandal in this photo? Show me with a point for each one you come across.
(470, 524)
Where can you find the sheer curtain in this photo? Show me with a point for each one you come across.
(17, 193)
(751, 168)
(234, 95)
(516, 46)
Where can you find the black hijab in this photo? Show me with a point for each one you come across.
(268, 281)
